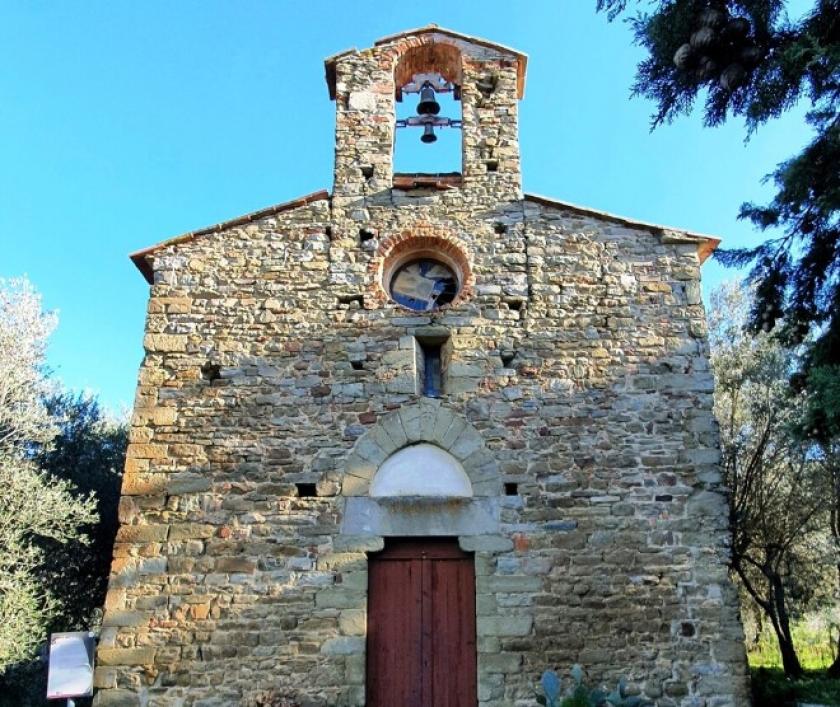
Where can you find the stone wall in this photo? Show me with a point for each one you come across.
(577, 370)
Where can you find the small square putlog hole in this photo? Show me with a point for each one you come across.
(511, 489)
(687, 629)
(353, 301)
(211, 371)
(306, 490)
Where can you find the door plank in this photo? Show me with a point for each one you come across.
(427, 630)
(394, 634)
(453, 656)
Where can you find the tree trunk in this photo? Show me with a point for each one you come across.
(833, 670)
(781, 625)
(758, 618)
(790, 661)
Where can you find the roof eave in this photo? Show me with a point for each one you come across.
(141, 258)
(706, 244)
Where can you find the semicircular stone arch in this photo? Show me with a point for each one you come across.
(428, 422)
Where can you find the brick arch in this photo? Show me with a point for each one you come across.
(430, 422)
(426, 54)
(421, 240)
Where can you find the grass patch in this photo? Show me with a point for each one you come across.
(813, 646)
(771, 688)
(812, 636)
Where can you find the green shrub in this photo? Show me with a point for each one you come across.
(578, 695)
(770, 688)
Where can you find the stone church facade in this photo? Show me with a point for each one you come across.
(347, 395)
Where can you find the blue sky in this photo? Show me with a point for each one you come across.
(122, 124)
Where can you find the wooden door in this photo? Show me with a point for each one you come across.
(421, 625)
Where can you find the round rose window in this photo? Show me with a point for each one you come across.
(424, 284)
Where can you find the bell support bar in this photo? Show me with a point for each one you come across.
(434, 81)
(423, 120)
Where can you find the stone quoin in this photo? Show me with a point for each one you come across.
(532, 379)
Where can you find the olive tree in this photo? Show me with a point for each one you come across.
(779, 490)
(33, 505)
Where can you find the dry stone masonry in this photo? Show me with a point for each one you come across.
(280, 375)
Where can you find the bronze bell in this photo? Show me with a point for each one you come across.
(428, 135)
(428, 105)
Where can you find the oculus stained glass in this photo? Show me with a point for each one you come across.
(424, 285)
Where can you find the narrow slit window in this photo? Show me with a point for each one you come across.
(432, 355)
(432, 370)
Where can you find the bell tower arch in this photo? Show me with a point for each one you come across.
(489, 80)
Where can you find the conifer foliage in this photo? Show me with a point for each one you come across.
(750, 58)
